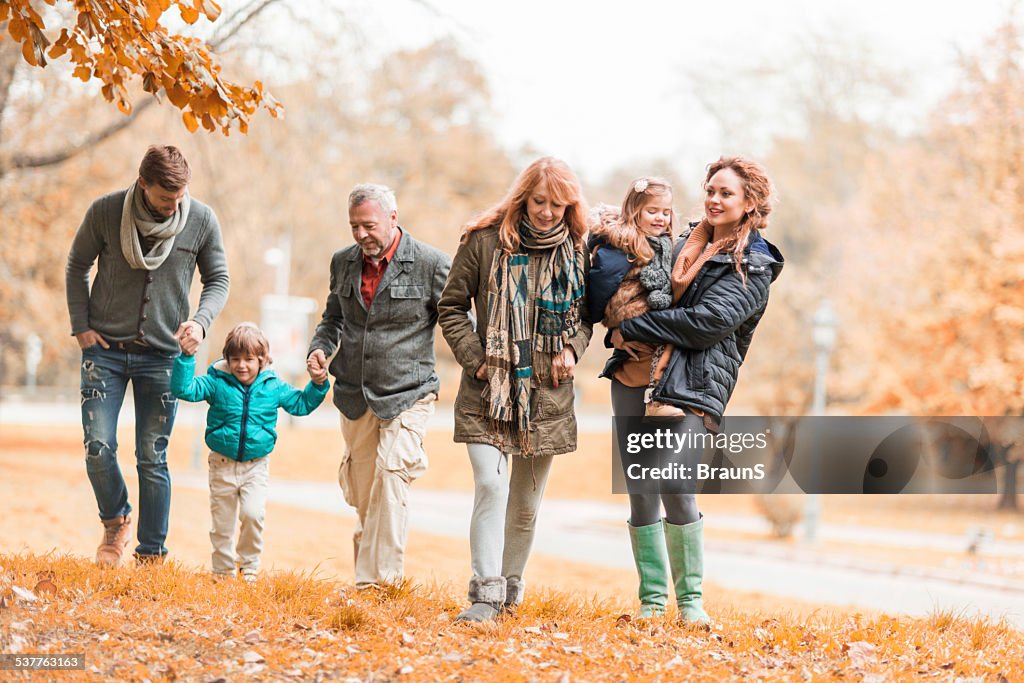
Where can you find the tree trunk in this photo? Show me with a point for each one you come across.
(9, 57)
(1008, 498)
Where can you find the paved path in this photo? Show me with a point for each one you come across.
(593, 532)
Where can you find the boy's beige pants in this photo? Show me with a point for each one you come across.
(238, 491)
(382, 457)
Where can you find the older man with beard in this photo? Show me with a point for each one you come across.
(378, 325)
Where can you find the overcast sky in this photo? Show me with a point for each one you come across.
(603, 86)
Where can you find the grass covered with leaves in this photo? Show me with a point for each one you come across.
(170, 622)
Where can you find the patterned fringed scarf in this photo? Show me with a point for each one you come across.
(556, 318)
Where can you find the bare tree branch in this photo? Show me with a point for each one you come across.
(225, 31)
(21, 161)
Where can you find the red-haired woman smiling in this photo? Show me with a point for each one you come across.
(521, 267)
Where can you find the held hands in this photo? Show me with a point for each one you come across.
(563, 365)
(633, 348)
(316, 366)
(90, 338)
(189, 335)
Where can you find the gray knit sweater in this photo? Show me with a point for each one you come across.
(126, 304)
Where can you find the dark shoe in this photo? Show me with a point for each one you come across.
(149, 559)
(487, 593)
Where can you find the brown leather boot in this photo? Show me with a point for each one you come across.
(116, 535)
(149, 559)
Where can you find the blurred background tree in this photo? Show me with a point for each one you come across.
(912, 231)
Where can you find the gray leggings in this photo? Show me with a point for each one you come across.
(644, 509)
(504, 509)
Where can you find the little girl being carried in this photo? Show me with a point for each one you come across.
(244, 394)
(631, 267)
(632, 273)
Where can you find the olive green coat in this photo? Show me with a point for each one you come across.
(553, 421)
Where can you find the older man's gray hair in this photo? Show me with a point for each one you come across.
(365, 192)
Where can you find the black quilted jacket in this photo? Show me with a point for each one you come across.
(711, 328)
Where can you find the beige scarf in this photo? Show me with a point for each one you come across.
(136, 219)
(696, 252)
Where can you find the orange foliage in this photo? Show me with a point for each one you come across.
(115, 41)
(290, 625)
(944, 242)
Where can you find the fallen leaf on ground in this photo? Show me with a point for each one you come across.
(24, 594)
(860, 652)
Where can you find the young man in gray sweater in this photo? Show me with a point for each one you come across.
(148, 240)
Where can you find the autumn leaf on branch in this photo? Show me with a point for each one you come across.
(114, 41)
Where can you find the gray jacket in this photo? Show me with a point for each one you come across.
(126, 304)
(385, 354)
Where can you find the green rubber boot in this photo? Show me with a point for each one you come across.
(651, 560)
(686, 555)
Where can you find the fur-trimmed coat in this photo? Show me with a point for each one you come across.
(616, 291)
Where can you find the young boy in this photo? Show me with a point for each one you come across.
(244, 394)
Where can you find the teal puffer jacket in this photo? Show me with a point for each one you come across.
(242, 421)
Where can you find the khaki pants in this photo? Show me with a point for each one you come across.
(382, 457)
(238, 490)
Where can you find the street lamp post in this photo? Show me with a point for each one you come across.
(33, 354)
(281, 258)
(825, 323)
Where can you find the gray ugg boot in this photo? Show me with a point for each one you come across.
(514, 588)
(487, 593)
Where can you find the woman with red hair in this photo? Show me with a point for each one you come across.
(521, 268)
(681, 357)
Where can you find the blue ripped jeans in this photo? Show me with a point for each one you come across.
(105, 376)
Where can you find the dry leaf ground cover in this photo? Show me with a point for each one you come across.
(170, 622)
